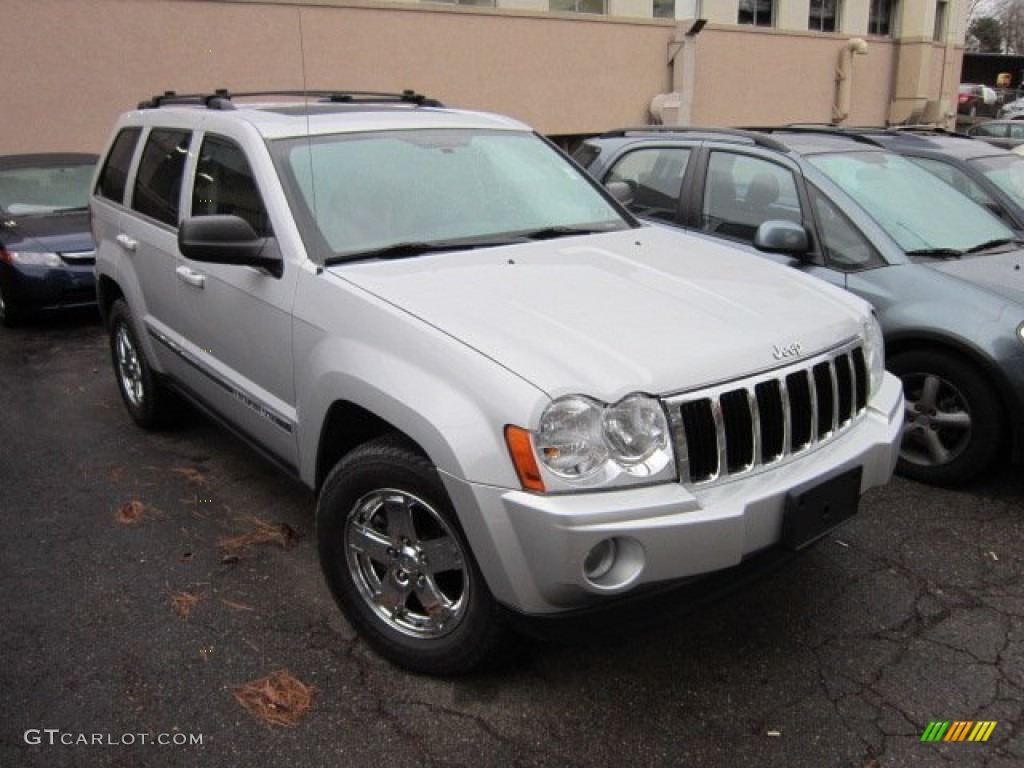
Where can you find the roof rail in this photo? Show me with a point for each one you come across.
(222, 98)
(821, 129)
(734, 133)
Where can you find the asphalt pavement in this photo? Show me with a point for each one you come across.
(147, 578)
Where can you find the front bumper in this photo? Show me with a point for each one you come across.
(34, 287)
(532, 549)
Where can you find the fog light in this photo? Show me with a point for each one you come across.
(600, 559)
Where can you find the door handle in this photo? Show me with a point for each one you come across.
(126, 242)
(191, 277)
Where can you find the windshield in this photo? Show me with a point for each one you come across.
(1006, 172)
(921, 212)
(366, 193)
(46, 189)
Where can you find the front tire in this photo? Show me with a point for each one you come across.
(399, 566)
(10, 317)
(145, 399)
(953, 426)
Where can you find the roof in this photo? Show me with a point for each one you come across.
(303, 113)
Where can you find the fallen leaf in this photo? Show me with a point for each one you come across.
(278, 699)
(184, 602)
(130, 513)
(194, 476)
(262, 532)
(236, 606)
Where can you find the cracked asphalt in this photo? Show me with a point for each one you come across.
(910, 613)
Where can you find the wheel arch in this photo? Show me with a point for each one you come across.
(1009, 403)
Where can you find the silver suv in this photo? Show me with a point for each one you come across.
(510, 396)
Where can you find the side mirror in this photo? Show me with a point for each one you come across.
(226, 240)
(621, 191)
(781, 236)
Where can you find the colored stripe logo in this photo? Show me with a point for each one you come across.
(958, 730)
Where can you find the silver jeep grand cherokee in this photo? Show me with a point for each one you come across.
(510, 396)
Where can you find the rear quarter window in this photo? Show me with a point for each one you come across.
(113, 179)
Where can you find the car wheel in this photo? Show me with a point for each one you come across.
(953, 425)
(398, 563)
(9, 316)
(145, 399)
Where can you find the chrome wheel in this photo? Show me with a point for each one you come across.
(937, 428)
(129, 368)
(407, 564)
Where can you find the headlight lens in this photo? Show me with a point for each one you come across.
(569, 437)
(635, 429)
(1020, 332)
(580, 438)
(33, 258)
(874, 352)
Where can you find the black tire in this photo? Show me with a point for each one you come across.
(10, 317)
(146, 400)
(382, 509)
(954, 421)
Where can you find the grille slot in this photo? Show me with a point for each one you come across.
(739, 426)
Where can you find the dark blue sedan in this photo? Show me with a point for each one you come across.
(46, 248)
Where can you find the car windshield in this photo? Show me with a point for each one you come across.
(1006, 172)
(28, 191)
(921, 212)
(401, 193)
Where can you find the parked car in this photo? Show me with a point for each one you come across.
(511, 397)
(976, 100)
(942, 272)
(1002, 133)
(1012, 110)
(46, 249)
(989, 175)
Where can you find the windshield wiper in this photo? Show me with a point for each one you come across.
(937, 253)
(412, 248)
(550, 233)
(992, 244)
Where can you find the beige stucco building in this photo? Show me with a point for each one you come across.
(568, 67)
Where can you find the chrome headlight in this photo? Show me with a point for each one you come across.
(1020, 332)
(580, 439)
(874, 353)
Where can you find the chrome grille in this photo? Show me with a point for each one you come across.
(736, 427)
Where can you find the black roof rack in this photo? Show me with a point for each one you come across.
(734, 133)
(823, 129)
(222, 98)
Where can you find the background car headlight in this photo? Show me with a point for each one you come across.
(1020, 332)
(874, 353)
(569, 440)
(33, 258)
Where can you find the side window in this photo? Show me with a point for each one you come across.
(845, 248)
(1017, 130)
(988, 129)
(956, 178)
(225, 185)
(113, 180)
(656, 177)
(742, 192)
(158, 181)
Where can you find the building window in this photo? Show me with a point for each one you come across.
(882, 17)
(664, 9)
(760, 13)
(941, 14)
(579, 6)
(824, 16)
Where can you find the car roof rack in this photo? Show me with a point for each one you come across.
(734, 133)
(822, 129)
(222, 98)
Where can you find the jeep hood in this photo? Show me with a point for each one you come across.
(641, 310)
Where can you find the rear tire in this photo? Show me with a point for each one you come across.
(144, 397)
(399, 566)
(954, 422)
